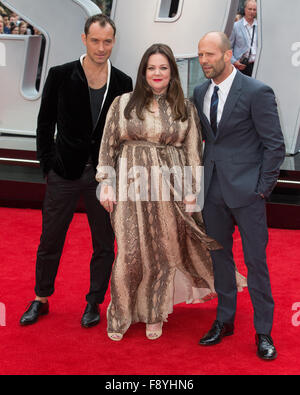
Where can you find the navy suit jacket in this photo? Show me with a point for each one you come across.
(248, 149)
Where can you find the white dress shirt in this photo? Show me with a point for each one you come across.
(224, 89)
(249, 32)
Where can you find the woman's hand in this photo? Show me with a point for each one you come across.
(190, 202)
(108, 198)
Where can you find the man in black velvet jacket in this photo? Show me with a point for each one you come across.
(76, 99)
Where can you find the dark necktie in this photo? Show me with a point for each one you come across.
(214, 110)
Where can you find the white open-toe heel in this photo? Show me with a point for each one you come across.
(115, 336)
(154, 334)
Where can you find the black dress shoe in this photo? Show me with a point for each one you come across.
(216, 334)
(35, 310)
(265, 348)
(91, 316)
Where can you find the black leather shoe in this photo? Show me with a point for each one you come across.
(35, 310)
(265, 348)
(216, 334)
(91, 316)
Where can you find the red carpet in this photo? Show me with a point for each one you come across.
(58, 345)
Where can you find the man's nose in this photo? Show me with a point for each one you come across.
(202, 59)
(100, 47)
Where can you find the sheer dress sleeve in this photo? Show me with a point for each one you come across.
(110, 146)
(193, 148)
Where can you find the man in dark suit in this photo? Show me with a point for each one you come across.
(244, 149)
(76, 100)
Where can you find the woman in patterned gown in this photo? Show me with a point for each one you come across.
(163, 251)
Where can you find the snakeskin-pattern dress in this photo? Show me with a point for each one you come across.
(163, 253)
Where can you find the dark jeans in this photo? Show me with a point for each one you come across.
(252, 223)
(60, 203)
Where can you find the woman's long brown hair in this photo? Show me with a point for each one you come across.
(142, 94)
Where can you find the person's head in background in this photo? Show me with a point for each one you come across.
(250, 11)
(1, 25)
(5, 20)
(14, 18)
(238, 17)
(14, 29)
(23, 28)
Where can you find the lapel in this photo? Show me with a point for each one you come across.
(205, 120)
(86, 102)
(232, 99)
(82, 90)
(111, 94)
(244, 31)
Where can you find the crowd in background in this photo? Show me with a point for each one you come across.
(104, 5)
(13, 24)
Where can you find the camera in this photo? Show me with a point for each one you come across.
(244, 60)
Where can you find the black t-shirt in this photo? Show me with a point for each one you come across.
(97, 96)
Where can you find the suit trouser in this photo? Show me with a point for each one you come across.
(252, 224)
(60, 204)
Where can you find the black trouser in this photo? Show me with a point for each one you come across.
(60, 203)
(252, 223)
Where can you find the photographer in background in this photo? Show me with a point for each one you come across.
(244, 39)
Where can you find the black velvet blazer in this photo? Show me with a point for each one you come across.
(66, 106)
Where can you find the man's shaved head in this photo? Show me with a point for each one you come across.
(224, 42)
(215, 56)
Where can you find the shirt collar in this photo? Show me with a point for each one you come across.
(84, 56)
(108, 77)
(247, 24)
(226, 85)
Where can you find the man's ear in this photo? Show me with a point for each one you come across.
(83, 38)
(228, 56)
